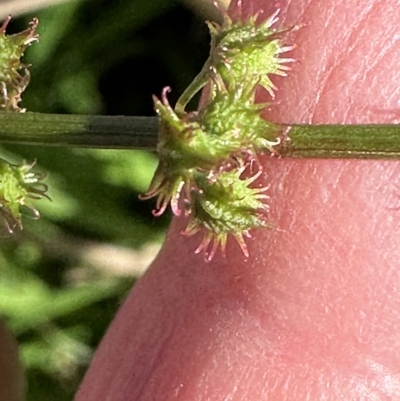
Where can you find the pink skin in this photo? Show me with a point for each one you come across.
(314, 312)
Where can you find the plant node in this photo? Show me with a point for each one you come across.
(203, 156)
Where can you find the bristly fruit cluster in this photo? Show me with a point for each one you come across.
(18, 184)
(14, 75)
(203, 155)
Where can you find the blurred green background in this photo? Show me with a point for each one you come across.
(63, 277)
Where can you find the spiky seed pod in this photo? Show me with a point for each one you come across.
(14, 75)
(223, 205)
(18, 184)
(248, 49)
(242, 49)
(233, 116)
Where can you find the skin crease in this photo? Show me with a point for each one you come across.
(313, 314)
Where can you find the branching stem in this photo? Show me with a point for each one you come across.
(372, 141)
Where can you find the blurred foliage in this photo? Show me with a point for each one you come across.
(94, 57)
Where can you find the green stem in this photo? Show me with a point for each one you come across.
(372, 141)
(107, 132)
(198, 83)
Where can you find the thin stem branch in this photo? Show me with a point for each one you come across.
(372, 141)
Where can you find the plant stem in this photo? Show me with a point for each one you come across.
(107, 132)
(198, 83)
(372, 141)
